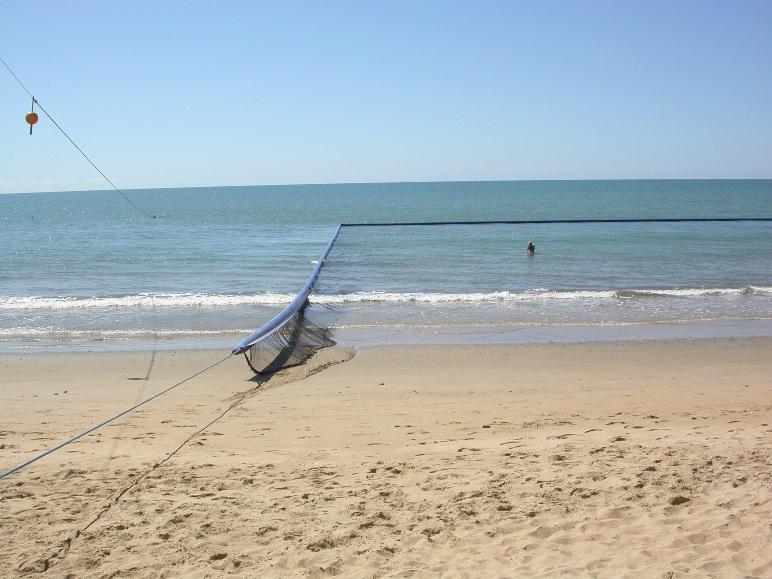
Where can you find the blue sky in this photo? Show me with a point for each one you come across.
(191, 93)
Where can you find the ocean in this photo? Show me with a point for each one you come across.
(86, 270)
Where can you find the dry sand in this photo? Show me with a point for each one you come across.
(626, 459)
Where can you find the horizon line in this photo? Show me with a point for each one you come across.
(419, 182)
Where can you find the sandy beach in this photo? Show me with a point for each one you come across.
(614, 459)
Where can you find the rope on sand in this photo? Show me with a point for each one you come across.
(109, 420)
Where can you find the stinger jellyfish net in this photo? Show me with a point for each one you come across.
(290, 338)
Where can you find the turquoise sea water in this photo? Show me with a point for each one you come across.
(85, 268)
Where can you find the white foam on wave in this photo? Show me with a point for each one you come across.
(535, 295)
(106, 334)
(697, 292)
(188, 300)
(144, 300)
(502, 296)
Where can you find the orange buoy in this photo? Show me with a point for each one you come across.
(31, 118)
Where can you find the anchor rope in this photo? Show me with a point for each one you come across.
(37, 102)
(109, 420)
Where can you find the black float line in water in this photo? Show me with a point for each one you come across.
(566, 221)
(36, 102)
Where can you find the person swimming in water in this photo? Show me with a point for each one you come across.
(531, 247)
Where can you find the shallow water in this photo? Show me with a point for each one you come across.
(86, 268)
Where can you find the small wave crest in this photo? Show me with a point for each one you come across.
(123, 334)
(201, 300)
(144, 300)
(418, 297)
(695, 292)
(535, 295)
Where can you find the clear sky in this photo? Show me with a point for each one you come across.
(168, 93)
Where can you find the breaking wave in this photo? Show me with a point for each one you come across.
(144, 300)
(538, 295)
(202, 300)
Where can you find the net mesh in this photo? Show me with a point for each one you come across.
(292, 344)
(290, 338)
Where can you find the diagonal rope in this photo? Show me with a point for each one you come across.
(36, 102)
(17, 78)
(116, 496)
(109, 420)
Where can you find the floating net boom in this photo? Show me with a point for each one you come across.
(289, 338)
